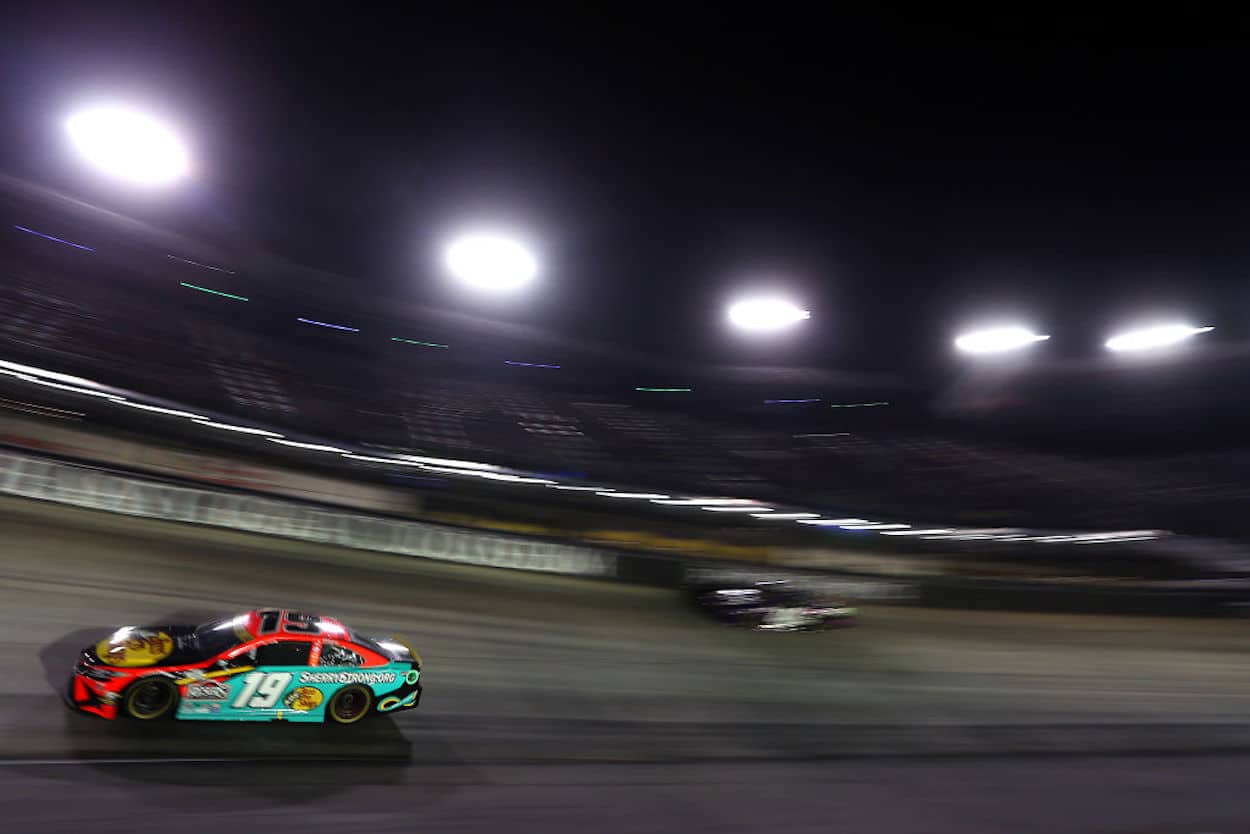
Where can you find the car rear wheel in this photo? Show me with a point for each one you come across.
(150, 698)
(349, 705)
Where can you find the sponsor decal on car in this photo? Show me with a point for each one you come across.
(135, 647)
(390, 703)
(208, 690)
(201, 707)
(304, 698)
(348, 677)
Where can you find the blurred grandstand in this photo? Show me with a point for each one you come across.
(95, 295)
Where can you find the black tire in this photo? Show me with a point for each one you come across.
(149, 699)
(349, 705)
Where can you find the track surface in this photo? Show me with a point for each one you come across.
(579, 705)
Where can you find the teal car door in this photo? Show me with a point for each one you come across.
(272, 690)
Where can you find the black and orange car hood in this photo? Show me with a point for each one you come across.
(139, 646)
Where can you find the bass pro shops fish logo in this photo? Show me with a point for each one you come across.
(303, 699)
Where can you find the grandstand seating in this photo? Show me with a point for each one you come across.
(128, 334)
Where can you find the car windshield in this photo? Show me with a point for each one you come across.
(218, 636)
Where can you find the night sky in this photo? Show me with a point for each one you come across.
(904, 177)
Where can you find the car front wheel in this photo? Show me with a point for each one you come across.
(150, 698)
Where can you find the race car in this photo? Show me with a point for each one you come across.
(263, 665)
(771, 605)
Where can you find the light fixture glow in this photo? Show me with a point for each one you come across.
(128, 145)
(1151, 338)
(998, 340)
(491, 262)
(766, 314)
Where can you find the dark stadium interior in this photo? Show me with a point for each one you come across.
(267, 379)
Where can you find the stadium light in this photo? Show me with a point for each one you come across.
(490, 261)
(128, 145)
(1152, 338)
(766, 314)
(998, 340)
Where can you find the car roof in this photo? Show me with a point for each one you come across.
(322, 626)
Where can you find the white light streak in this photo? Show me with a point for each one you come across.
(766, 314)
(998, 340)
(646, 495)
(1153, 338)
(239, 429)
(313, 447)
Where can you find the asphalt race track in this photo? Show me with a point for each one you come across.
(555, 704)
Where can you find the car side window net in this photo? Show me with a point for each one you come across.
(332, 654)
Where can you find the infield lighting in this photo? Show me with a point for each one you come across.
(1152, 338)
(998, 340)
(785, 516)
(128, 145)
(766, 314)
(934, 531)
(490, 261)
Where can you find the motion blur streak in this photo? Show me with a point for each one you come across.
(30, 231)
(618, 688)
(1152, 338)
(229, 295)
(329, 325)
(202, 265)
(998, 340)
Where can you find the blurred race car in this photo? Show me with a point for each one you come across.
(264, 665)
(771, 605)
